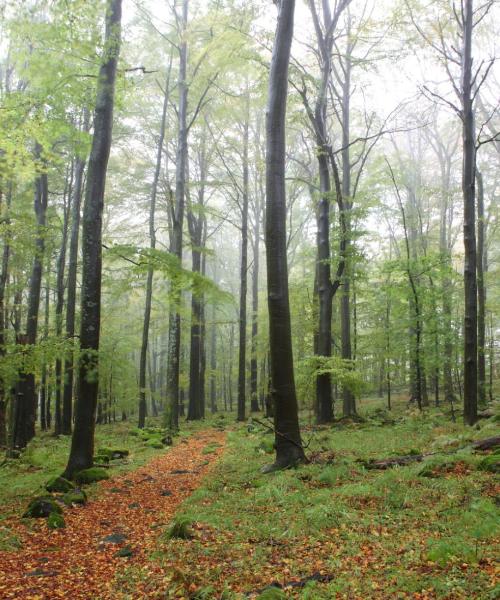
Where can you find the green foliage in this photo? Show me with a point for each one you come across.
(340, 370)
(181, 528)
(272, 593)
(490, 463)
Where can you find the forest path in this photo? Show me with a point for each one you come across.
(131, 510)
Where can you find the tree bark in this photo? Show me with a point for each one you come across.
(468, 189)
(481, 294)
(152, 245)
(61, 267)
(243, 276)
(67, 404)
(288, 442)
(82, 442)
(254, 374)
(177, 214)
(4, 276)
(26, 401)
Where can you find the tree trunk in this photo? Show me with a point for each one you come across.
(152, 245)
(174, 326)
(67, 405)
(61, 266)
(468, 188)
(243, 276)
(82, 442)
(481, 294)
(254, 374)
(349, 403)
(4, 276)
(26, 401)
(286, 422)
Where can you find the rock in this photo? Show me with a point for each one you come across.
(91, 475)
(75, 496)
(165, 493)
(42, 573)
(42, 507)
(167, 440)
(124, 552)
(134, 505)
(114, 538)
(113, 453)
(155, 443)
(56, 521)
(59, 484)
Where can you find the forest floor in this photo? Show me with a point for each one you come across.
(120, 523)
(332, 528)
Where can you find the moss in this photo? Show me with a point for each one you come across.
(180, 529)
(41, 507)
(91, 475)
(112, 453)
(272, 593)
(75, 497)
(59, 484)
(155, 443)
(56, 521)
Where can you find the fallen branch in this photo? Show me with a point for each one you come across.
(487, 443)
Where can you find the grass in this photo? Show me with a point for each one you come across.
(379, 534)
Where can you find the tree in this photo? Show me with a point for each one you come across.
(152, 245)
(286, 422)
(82, 442)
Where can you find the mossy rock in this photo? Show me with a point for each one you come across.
(41, 507)
(155, 443)
(56, 521)
(113, 453)
(101, 459)
(180, 529)
(75, 497)
(91, 475)
(272, 593)
(490, 463)
(59, 484)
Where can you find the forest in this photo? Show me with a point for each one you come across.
(249, 299)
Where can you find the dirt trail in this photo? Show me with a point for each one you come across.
(78, 562)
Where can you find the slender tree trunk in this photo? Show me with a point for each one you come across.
(243, 276)
(213, 362)
(24, 426)
(468, 188)
(286, 422)
(82, 442)
(348, 400)
(67, 404)
(4, 276)
(481, 294)
(44, 409)
(254, 374)
(174, 327)
(152, 245)
(230, 367)
(61, 266)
